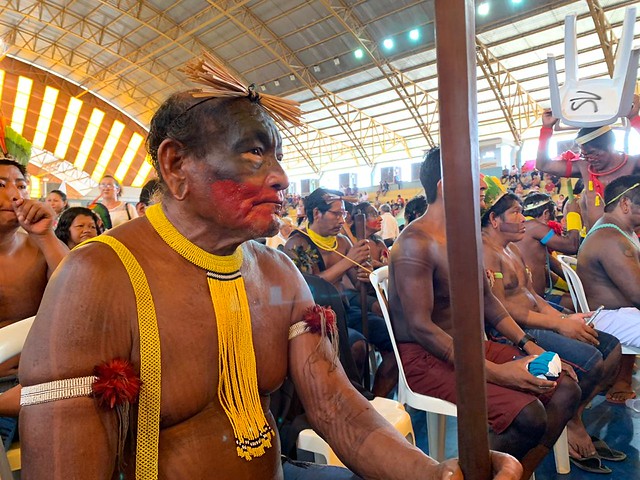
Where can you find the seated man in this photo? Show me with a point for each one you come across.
(540, 239)
(195, 308)
(526, 414)
(594, 355)
(321, 250)
(609, 267)
(27, 260)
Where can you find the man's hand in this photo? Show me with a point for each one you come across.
(503, 466)
(34, 217)
(360, 251)
(515, 374)
(548, 120)
(574, 326)
(572, 206)
(635, 107)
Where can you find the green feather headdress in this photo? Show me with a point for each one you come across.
(494, 192)
(14, 145)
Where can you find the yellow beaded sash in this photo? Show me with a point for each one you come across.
(148, 433)
(238, 378)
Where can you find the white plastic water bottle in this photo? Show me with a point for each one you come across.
(633, 404)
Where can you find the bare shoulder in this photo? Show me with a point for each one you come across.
(79, 324)
(415, 242)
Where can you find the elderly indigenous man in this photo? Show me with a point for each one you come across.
(541, 237)
(609, 267)
(594, 355)
(526, 413)
(321, 250)
(195, 308)
(598, 164)
(27, 260)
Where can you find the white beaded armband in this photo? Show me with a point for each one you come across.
(57, 390)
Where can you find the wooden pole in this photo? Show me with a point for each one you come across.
(359, 222)
(455, 51)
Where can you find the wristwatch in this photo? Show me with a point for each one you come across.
(524, 340)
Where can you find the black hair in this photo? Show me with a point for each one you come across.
(501, 206)
(66, 219)
(540, 198)
(414, 209)
(148, 190)
(578, 187)
(13, 163)
(619, 185)
(318, 199)
(605, 142)
(431, 174)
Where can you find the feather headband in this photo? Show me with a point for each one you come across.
(219, 83)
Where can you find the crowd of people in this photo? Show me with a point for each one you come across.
(199, 324)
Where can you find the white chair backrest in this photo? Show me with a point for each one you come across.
(594, 102)
(380, 281)
(12, 338)
(575, 284)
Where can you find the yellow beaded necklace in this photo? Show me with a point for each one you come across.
(238, 378)
(329, 243)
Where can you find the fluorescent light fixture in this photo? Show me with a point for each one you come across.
(68, 125)
(263, 88)
(316, 68)
(483, 8)
(143, 173)
(21, 103)
(107, 150)
(359, 53)
(46, 114)
(336, 61)
(129, 154)
(387, 43)
(276, 83)
(516, 1)
(89, 137)
(292, 77)
(414, 34)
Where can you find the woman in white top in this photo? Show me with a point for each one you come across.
(119, 211)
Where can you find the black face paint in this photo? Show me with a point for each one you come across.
(508, 227)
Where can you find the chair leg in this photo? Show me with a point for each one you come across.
(561, 453)
(436, 434)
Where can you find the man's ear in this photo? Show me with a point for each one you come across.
(140, 208)
(493, 218)
(172, 167)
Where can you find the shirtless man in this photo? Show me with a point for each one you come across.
(321, 250)
(27, 260)
(526, 414)
(539, 238)
(594, 355)
(609, 267)
(219, 162)
(599, 162)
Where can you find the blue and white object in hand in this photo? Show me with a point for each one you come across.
(547, 366)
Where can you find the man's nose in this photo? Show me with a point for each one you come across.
(277, 178)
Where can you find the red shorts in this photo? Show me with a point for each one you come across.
(431, 376)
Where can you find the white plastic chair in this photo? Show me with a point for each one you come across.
(12, 338)
(594, 102)
(392, 411)
(578, 296)
(436, 408)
